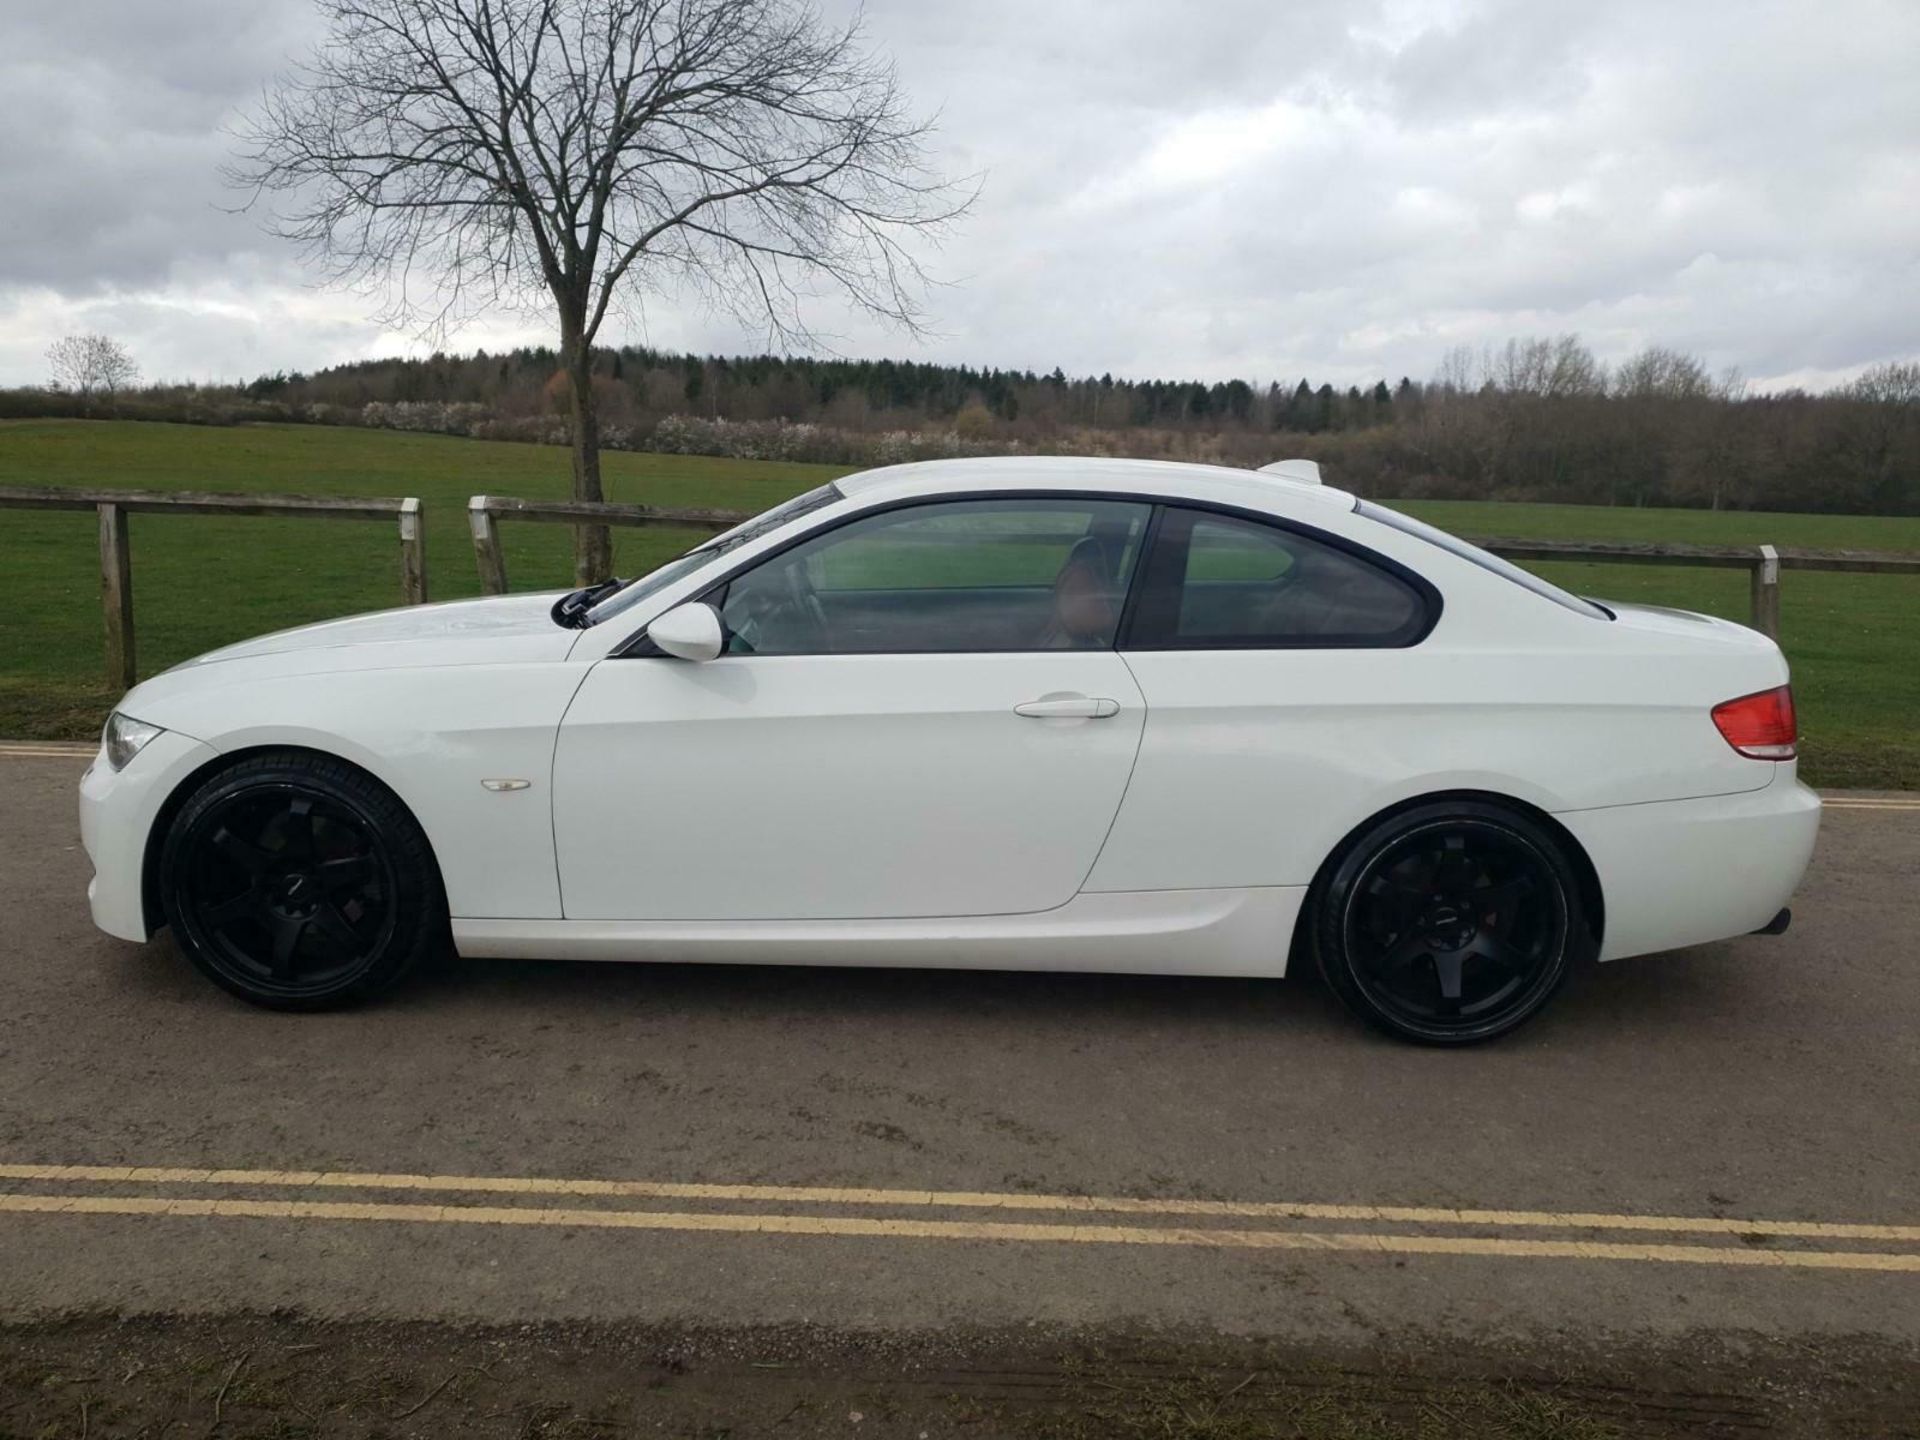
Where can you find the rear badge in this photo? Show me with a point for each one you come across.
(498, 785)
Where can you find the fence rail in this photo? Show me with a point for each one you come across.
(1763, 563)
(484, 512)
(116, 555)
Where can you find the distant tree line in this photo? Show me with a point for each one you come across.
(1535, 419)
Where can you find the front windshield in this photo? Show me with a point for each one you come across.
(653, 582)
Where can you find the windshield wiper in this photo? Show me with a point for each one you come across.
(571, 608)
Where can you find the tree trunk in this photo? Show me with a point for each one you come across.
(592, 544)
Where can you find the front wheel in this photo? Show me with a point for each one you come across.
(1449, 924)
(298, 882)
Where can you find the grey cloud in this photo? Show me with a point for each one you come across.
(115, 113)
(1338, 189)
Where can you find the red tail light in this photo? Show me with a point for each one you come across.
(1760, 726)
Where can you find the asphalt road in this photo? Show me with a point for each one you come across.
(1665, 1144)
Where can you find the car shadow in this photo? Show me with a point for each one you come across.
(1678, 993)
(850, 992)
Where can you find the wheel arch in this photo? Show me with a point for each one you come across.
(1592, 893)
(150, 906)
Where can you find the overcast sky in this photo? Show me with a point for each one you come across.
(1263, 188)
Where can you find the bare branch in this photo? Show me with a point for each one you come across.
(91, 365)
(455, 155)
(459, 154)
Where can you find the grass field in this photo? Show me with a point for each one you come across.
(200, 582)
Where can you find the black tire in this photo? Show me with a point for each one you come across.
(1449, 924)
(299, 882)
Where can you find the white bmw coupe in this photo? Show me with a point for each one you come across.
(1050, 714)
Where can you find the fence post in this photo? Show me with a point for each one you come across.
(116, 595)
(486, 546)
(413, 553)
(1766, 592)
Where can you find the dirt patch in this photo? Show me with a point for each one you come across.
(274, 1376)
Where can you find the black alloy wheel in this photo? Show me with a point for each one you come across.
(299, 883)
(1450, 924)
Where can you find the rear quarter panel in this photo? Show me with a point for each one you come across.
(1254, 764)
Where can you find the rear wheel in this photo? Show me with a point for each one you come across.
(300, 883)
(1449, 924)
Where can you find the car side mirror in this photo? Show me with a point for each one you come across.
(689, 632)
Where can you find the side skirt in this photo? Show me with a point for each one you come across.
(1140, 932)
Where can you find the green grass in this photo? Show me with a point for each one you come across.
(199, 582)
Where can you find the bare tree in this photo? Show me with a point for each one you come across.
(1555, 367)
(1893, 383)
(91, 365)
(463, 153)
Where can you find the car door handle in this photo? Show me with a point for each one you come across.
(1078, 707)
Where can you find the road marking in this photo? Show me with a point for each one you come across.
(822, 1225)
(1870, 804)
(45, 750)
(952, 1199)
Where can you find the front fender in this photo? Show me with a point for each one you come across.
(431, 735)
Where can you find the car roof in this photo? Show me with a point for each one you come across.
(1221, 484)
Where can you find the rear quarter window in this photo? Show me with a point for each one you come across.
(1219, 581)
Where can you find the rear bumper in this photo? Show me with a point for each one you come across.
(1683, 872)
(117, 811)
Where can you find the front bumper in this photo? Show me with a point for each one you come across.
(117, 812)
(1684, 872)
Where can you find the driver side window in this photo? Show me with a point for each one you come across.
(968, 575)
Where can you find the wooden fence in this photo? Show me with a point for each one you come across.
(1763, 563)
(116, 558)
(484, 512)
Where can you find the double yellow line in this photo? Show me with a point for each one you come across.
(1084, 1219)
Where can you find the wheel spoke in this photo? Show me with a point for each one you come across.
(1499, 897)
(330, 922)
(1403, 899)
(248, 902)
(287, 930)
(1447, 965)
(296, 828)
(1492, 949)
(335, 875)
(244, 853)
(1403, 952)
(1453, 866)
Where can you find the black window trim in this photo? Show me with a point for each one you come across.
(638, 646)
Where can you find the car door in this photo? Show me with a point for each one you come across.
(1285, 680)
(919, 712)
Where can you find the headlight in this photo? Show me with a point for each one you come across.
(125, 737)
